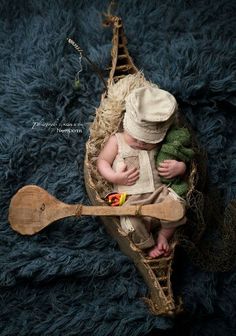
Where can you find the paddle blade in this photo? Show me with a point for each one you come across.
(33, 208)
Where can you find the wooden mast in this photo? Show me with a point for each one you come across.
(122, 63)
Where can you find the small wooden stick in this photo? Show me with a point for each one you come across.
(33, 208)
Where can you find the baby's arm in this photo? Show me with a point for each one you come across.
(171, 168)
(105, 161)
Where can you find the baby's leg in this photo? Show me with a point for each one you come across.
(137, 227)
(162, 244)
(140, 235)
(166, 232)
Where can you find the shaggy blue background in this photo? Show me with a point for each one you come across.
(71, 279)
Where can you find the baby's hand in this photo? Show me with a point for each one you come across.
(126, 176)
(171, 168)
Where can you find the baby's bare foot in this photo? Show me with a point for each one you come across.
(162, 247)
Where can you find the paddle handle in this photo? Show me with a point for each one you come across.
(169, 210)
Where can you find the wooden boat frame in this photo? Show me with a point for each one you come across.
(156, 272)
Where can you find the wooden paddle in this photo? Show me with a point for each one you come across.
(32, 209)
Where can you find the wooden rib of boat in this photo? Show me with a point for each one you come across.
(156, 272)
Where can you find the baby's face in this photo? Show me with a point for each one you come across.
(138, 144)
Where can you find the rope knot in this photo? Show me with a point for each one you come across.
(138, 211)
(78, 210)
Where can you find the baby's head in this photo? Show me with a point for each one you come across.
(150, 112)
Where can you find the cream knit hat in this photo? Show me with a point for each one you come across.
(149, 113)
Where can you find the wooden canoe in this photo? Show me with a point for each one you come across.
(156, 272)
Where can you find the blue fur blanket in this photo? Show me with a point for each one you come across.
(71, 279)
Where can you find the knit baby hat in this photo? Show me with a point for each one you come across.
(149, 113)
